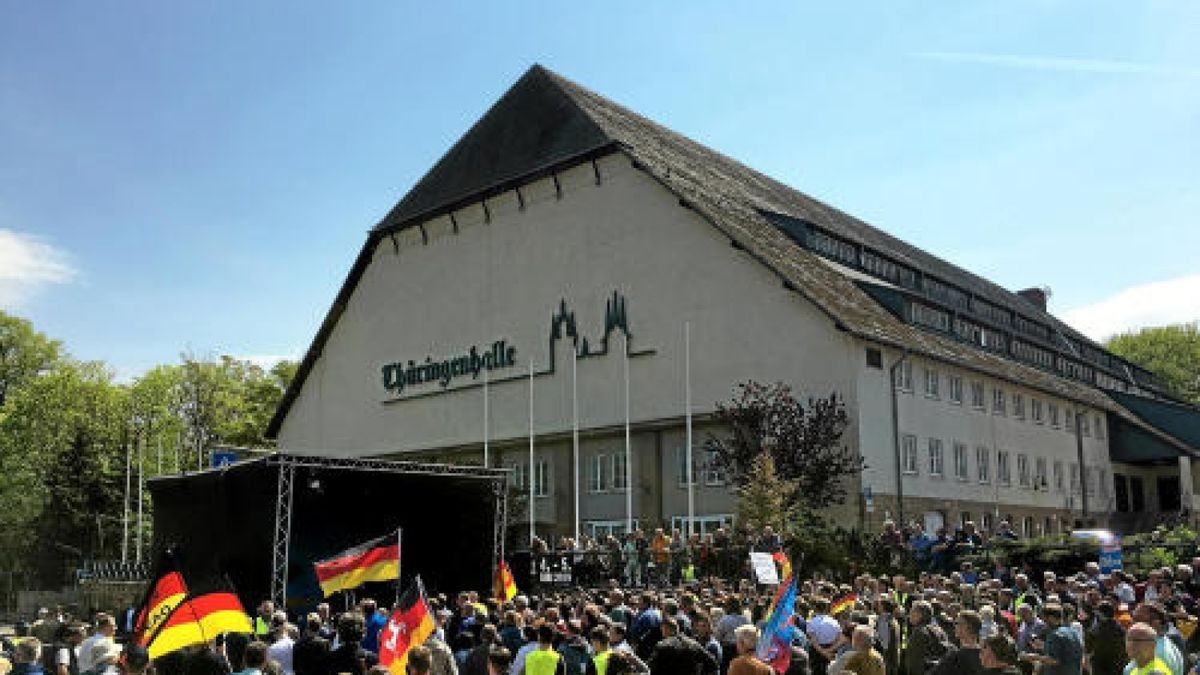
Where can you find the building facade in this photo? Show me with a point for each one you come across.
(572, 283)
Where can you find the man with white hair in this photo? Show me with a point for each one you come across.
(865, 660)
(747, 662)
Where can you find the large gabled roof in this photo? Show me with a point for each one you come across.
(545, 122)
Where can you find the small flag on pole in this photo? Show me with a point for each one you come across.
(842, 604)
(409, 625)
(505, 586)
(376, 560)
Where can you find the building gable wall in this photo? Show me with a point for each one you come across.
(502, 272)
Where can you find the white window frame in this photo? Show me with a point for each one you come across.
(1039, 473)
(932, 383)
(617, 472)
(519, 478)
(1018, 405)
(978, 395)
(908, 454)
(1022, 470)
(1053, 410)
(596, 483)
(1059, 479)
(999, 401)
(905, 375)
(714, 475)
(1075, 487)
(983, 461)
(704, 524)
(1085, 425)
(936, 458)
(603, 528)
(1035, 409)
(1069, 420)
(541, 478)
(962, 468)
(956, 389)
(1003, 468)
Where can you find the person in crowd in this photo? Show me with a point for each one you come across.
(864, 660)
(106, 629)
(747, 661)
(1141, 642)
(498, 662)
(544, 660)
(1061, 650)
(262, 620)
(443, 662)
(420, 661)
(280, 644)
(926, 640)
(66, 657)
(887, 632)
(678, 653)
(823, 633)
(574, 647)
(26, 655)
(349, 656)
(311, 652)
(1105, 642)
(965, 657)
(373, 622)
(702, 630)
(998, 656)
(1167, 647)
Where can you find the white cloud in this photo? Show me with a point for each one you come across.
(1155, 304)
(26, 264)
(1060, 63)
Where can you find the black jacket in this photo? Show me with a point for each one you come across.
(681, 655)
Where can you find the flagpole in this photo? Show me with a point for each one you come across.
(399, 553)
(485, 417)
(532, 529)
(141, 486)
(628, 447)
(575, 429)
(687, 385)
(125, 508)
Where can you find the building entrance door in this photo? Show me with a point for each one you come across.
(933, 521)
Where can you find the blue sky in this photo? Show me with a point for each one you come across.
(198, 177)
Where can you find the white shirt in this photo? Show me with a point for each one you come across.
(824, 630)
(1125, 593)
(85, 651)
(281, 652)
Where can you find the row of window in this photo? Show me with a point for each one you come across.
(607, 472)
(1000, 404)
(1029, 475)
(1063, 350)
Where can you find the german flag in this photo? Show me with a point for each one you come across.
(504, 586)
(199, 620)
(162, 596)
(410, 625)
(376, 560)
(842, 604)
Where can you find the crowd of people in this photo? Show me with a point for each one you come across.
(964, 621)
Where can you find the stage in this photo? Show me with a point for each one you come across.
(264, 522)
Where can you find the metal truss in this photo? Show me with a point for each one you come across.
(283, 500)
(283, 535)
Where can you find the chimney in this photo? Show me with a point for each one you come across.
(1036, 296)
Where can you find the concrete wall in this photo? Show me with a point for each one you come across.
(939, 416)
(506, 278)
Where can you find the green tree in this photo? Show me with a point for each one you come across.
(1171, 352)
(62, 452)
(804, 442)
(763, 498)
(24, 353)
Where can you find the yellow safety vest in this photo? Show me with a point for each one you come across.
(542, 662)
(1157, 667)
(689, 573)
(601, 661)
(261, 627)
